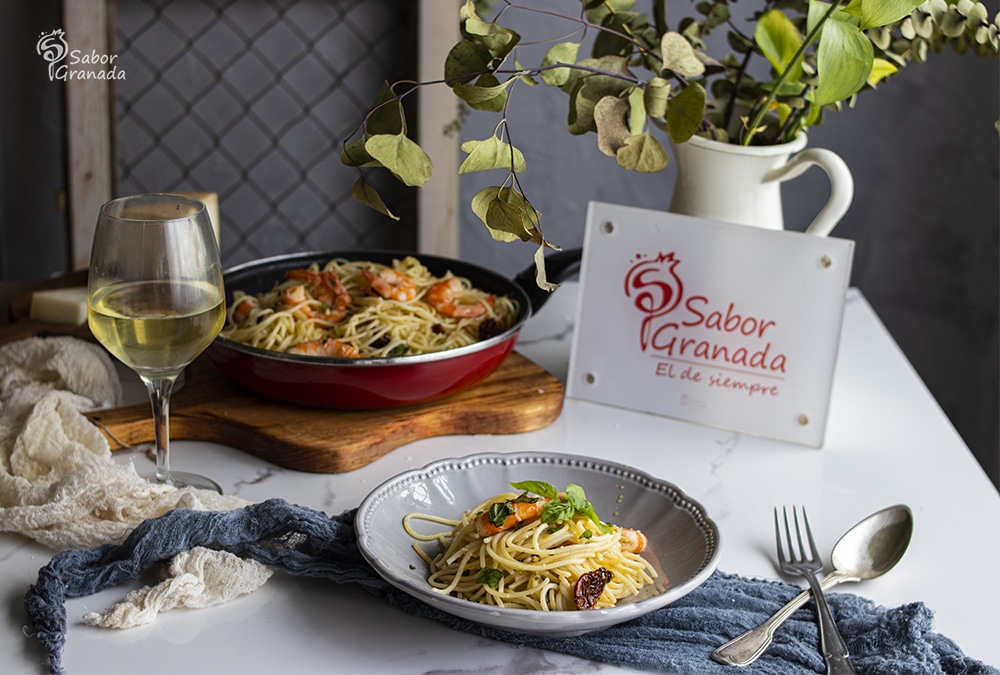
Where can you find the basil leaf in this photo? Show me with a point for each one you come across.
(586, 534)
(538, 487)
(576, 497)
(489, 576)
(557, 510)
(498, 513)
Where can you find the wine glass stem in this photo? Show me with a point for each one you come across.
(159, 396)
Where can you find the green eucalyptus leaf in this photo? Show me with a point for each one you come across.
(642, 153)
(884, 12)
(779, 40)
(499, 40)
(613, 41)
(365, 192)
(636, 110)
(738, 43)
(354, 153)
(507, 215)
(386, 115)
(486, 94)
(655, 97)
(405, 159)
(491, 153)
(952, 23)
(466, 61)
(679, 57)
(590, 90)
(685, 112)
(564, 52)
(610, 115)
(599, 10)
(844, 60)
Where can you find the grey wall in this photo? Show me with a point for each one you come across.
(925, 216)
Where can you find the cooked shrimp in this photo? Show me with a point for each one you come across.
(633, 541)
(391, 284)
(326, 347)
(243, 309)
(521, 511)
(324, 287)
(444, 296)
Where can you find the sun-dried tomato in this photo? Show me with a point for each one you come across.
(489, 328)
(589, 587)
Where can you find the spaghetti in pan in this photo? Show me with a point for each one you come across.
(365, 309)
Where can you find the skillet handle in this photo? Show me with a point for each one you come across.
(558, 268)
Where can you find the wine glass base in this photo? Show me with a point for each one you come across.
(184, 479)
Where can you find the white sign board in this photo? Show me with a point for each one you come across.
(724, 325)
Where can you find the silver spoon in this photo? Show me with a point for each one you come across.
(866, 551)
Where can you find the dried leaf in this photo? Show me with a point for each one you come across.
(365, 192)
(642, 153)
(486, 94)
(499, 40)
(685, 112)
(506, 214)
(491, 153)
(564, 52)
(678, 56)
(655, 97)
(404, 158)
(610, 115)
(466, 61)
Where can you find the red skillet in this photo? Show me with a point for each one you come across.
(365, 384)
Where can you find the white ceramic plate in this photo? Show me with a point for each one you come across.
(683, 541)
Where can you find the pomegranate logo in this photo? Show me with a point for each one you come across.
(53, 48)
(66, 64)
(655, 290)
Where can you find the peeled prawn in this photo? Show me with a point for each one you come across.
(444, 296)
(391, 284)
(325, 347)
(243, 309)
(324, 287)
(522, 511)
(633, 541)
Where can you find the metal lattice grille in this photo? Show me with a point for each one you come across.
(252, 99)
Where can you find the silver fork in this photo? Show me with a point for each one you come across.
(807, 564)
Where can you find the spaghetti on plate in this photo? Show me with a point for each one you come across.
(548, 552)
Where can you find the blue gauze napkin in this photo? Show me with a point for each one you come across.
(678, 638)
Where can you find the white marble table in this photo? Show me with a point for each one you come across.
(887, 442)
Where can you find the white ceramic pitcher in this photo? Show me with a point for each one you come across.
(740, 184)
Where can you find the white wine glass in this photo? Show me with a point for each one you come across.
(155, 299)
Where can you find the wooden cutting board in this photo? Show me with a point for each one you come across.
(519, 396)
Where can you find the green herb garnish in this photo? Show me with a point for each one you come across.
(561, 508)
(489, 576)
(499, 512)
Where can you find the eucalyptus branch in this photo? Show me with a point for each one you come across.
(642, 49)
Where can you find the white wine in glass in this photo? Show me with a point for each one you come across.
(155, 299)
